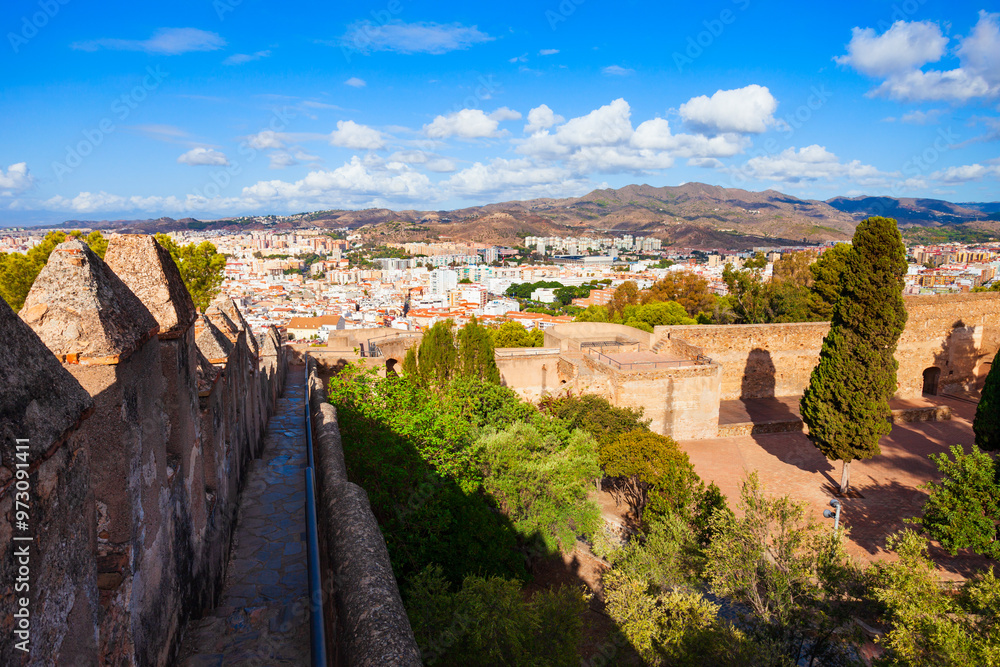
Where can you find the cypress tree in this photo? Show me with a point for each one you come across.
(987, 423)
(437, 357)
(846, 405)
(475, 353)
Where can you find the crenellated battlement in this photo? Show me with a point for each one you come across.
(142, 418)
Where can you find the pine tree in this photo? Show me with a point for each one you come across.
(475, 353)
(987, 423)
(846, 405)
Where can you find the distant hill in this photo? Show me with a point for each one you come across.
(693, 215)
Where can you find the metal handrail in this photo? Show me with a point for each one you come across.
(524, 351)
(316, 623)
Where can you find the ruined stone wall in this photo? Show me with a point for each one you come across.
(757, 360)
(957, 333)
(135, 504)
(530, 371)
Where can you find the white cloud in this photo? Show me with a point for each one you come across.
(377, 179)
(904, 46)
(655, 134)
(16, 180)
(922, 117)
(935, 85)
(899, 55)
(267, 139)
(420, 37)
(609, 124)
(980, 51)
(541, 118)
(355, 136)
(355, 82)
(745, 110)
(464, 124)
(240, 58)
(617, 70)
(548, 52)
(165, 41)
(603, 141)
(503, 113)
(965, 173)
(428, 161)
(519, 178)
(203, 156)
(281, 160)
(810, 164)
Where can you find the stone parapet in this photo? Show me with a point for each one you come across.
(372, 629)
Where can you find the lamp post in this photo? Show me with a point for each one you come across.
(830, 514)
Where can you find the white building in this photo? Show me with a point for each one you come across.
(443, 280)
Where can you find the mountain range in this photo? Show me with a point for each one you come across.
(693, 215)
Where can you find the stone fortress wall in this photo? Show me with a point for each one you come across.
(956, 334)
(141, 418)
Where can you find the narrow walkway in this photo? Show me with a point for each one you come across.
(263, 616)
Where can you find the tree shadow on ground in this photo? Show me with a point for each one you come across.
(427, 518)
(886, 509)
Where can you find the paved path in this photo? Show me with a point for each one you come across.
(262, 618)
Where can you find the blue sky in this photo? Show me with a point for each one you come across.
(224, 107)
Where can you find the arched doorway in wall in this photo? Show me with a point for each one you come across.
(932, 376)
(390, 367)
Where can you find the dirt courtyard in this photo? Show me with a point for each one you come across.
(888, 483)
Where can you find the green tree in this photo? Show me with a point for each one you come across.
(513, 334)
(846, 405)
(201, 266)
(654, 314)
(825, 289)
(437, 356)
(648, 468)
(475, 353)
(987, 422)
(489, 621)
(794, 577)
(963, 509)
(929, 625)
(747, 290)
(595, 415)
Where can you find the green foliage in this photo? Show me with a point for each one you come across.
(987, 422)
(827, 274)
(489, 622)
(19, 270)
(541, 482)
(596, 416)
(438, 360)
(680, 628)
(747, 289)
(927, 625)
(524, 290)
(475, 353)
(414, 456)
(513, 334)
(201, 266)
(649, 468)
(437, 356)
(846, 405)
(654, 314)
(963, 509)
(794, 578)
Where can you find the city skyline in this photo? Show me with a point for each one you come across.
(221, 108)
